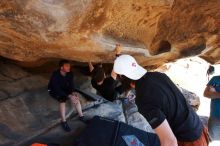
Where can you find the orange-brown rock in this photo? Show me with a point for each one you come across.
(154, 31)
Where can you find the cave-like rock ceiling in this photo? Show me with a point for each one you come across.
(154, 31)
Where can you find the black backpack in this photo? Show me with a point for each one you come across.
(106, 132)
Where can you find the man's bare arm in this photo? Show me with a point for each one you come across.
(209, 93)
(91, 67)
(165, 134)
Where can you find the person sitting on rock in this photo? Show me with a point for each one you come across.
(61, 88)
(106, 86)
(162, 104)
(212, 91)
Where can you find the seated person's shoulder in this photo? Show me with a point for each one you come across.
(55, 73)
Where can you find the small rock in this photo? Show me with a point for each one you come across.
(108, 110)
(191, 98)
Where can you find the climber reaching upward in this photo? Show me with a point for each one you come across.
(106, 86)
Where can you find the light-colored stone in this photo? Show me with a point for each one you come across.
(191, 98)
(134, 118)
(109, 109)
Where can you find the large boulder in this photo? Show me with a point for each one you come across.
(153, 31)
(134, 118)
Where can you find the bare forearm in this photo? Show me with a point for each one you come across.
(118, 49)
(212, 94)
(169, 143)
(165, 134)
(90, 67)
(113, 75)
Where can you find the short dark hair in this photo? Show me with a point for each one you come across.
(126, 83)
(62, 62)
(98, 74)
(210, 70)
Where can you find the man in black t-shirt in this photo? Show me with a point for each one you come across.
(162, 104)
(106, 86)
(61, 88)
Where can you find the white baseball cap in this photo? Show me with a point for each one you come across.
(126, 65)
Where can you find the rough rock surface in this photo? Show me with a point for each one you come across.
(58, 136)
(155, 31)
(134, 118)
(26, 109)
(191, 98)
(108, 110)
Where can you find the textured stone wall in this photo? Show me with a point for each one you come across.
(154, 31)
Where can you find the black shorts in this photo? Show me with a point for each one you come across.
(58, 98)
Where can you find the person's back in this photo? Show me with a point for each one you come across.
(159, 89)
(106, 86)
(107, 89)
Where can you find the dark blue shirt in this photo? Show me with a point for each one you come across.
(215, 103)
(60, 85)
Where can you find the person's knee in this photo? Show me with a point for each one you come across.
(75, 99)
(62, 104)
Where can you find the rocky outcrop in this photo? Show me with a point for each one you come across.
(134, 118)
(192, 99)
(26, 109)
(155, 32)
(28, 113)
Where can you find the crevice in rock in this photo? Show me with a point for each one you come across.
(164, 46)
(3, 95)
(194, 50)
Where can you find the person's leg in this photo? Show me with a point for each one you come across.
(214, 128)
(63, 111)
(76, 103)
(64, 123)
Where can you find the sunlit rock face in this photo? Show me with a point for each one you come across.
(154, 31)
